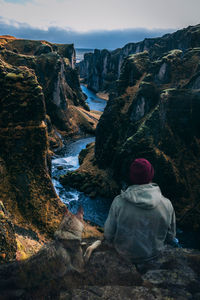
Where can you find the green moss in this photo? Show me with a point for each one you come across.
(2, 215)
(173, 54)
(166, 92)
(138, 55)
(14, 76)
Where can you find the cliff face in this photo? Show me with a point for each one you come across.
(54, 68)
(102, 68)
(25, 188)
(156, 116)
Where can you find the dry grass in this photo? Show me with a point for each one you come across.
(27, 246)
(80, 118)
(103, 95)
(130, 94)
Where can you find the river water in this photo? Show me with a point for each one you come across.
(94, 102)
(95, 210)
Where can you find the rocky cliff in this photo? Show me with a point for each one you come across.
(40, 94)
(174, 275)
(25, 188)
(156, 116)
(54, 67)
(102, 68)
(153, 114)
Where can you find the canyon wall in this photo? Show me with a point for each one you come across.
(156, 116)
(25, 189)
(54, 67)
(101, 69)
(39, 91)
(154, 113)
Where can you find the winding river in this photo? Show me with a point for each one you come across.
(95, 210)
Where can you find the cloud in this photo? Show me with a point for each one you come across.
(18, 1)
(109, 39)
(84, 15)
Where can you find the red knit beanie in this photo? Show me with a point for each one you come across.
(141, 171)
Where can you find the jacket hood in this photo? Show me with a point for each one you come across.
(146, 196)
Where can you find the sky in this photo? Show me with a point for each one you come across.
(96, 23)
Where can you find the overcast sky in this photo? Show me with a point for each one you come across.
(95, 23)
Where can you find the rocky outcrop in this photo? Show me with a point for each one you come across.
(102, 68)
(54, 67)
(58, 271)
(89, 178)
(173, 275)
(36, 48)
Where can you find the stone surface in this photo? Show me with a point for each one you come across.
(173, 275)
(108, 276)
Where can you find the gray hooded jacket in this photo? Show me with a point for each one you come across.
(140, 220)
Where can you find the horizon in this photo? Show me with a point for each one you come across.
(100, 48)
(84, 48)
(109, 39)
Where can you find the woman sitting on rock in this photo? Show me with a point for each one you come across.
(140, 219)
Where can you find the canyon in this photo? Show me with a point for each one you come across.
(152, 112)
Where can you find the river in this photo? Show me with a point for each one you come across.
(95, 210)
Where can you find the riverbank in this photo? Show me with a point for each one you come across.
(103, 95)
(90, 179)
